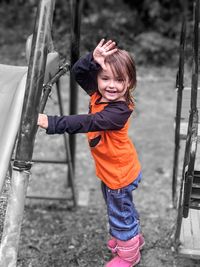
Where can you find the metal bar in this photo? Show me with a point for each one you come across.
(68, 153)
(49, 198)
(35, 78)
(28, 129)
(13, 219)
(47, 90)
(61, 110)
(194, 85)
(190, 161)
(52, 161)
(76, 10)
(180, 87)
(48, 87)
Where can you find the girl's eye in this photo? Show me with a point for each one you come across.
(119, 80)
(104, 78)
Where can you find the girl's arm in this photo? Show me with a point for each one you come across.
(85, 72)
(112, 117)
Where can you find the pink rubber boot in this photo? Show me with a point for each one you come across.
(112, 243)
(141, 241)
(128, 253)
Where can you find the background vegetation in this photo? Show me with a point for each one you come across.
(148, 28)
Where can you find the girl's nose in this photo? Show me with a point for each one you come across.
(111, 84)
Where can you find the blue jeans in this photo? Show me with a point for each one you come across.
(122, 214)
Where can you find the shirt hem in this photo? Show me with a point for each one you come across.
(122, 184)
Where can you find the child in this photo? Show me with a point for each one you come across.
(108, 75)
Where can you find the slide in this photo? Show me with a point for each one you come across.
(12, 89)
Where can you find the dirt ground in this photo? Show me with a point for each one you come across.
(53, 234)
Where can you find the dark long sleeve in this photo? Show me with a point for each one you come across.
(85, 73)
(112, 117)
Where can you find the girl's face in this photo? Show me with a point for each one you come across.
(111, 87)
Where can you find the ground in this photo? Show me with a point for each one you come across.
(55, 235)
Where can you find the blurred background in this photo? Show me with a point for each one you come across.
(148, 28)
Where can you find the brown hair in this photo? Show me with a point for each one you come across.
(122, 64)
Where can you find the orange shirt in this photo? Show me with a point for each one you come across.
(115, 156)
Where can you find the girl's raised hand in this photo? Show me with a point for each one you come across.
(103, 50)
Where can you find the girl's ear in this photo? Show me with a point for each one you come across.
(129, 85)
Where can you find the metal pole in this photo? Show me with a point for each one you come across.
(48, 87)
(35, 78)
(68, 153)
(194, 85)
(47, 90)
(76, 10)
(180, 87)
(28, 129)
(13, 219)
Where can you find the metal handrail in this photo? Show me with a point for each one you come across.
(180, 87)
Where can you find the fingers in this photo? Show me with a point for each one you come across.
(100, 44)
(110, 52)
(109, 45)
(106, 46)
(102, 50)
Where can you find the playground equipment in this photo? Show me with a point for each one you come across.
(76, 9)
(186, 192)
(23, 94)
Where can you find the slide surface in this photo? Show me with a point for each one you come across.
(12, 89)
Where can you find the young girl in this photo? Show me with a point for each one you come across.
(108, 75)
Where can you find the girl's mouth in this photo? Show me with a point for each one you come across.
(111, 91)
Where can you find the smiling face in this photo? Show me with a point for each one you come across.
(111, 86)
(118, 79)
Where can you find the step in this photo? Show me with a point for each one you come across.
(190, 235)
(195, 196)
(184, 128)
(192, 200)
(195, 189)
(195, 185)
(196, 179)
(194, 204)
(197, 175)
(196, 172)
(185, 112)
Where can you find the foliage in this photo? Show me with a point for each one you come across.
(151, 28)
(160, 15)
